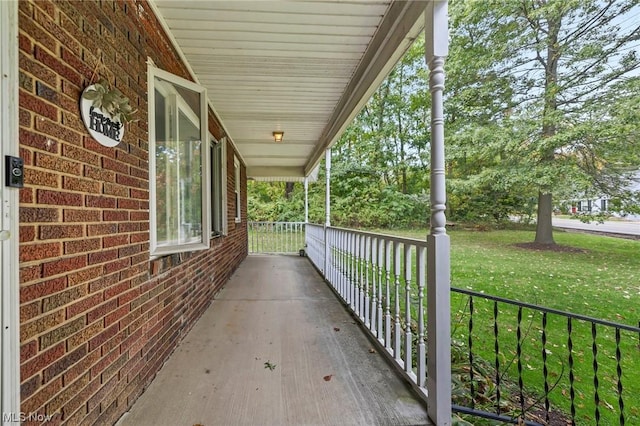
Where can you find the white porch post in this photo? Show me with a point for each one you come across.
(438, 257)
(327, 209)
(306, 200)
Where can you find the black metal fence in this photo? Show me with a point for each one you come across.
(519, 362)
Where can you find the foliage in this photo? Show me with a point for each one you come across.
(110, 100)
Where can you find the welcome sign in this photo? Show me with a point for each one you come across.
(104, 128)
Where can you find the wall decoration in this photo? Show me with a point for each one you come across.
(104, 111)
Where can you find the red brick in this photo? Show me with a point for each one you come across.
(43, 394)
(117, 265)
(57, 131)
(41, 324)
(81, 367)
(44, 359)
(127, 180)
(116, 315)
(81, 185)
(38, 106)
(114, 189)
(59, 198)
(102, 256)
(29, 311)
(39, 251)
(64, 265)
(97, 341)
(28, 350)
(99, 174)
(69, 392)
(37, 177)
(63, 298)
(38, 214)
(59, 164)
(84, 335)
(62, 364)
(115, 165)
(84, 305)
(144, 195)
(84, 275)
(82, 155)
(61, 333)
(30, 273)
(27, 233)
(79, 65)
(115, 216)
(79, 246)
(28, 26)
(96, 147)
(24, 118)
(84, 215)
(38, 141)
(57, 65)
(102, 310)
(29, 387)
(101, 202)
(59, 232)
(126, 203)
(102, 229)
(42, 289)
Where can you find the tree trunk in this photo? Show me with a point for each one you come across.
(544, 229)
(288, 190)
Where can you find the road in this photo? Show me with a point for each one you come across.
(613, 227)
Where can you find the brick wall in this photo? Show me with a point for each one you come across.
(98, 318)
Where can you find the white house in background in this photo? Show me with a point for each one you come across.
(602, 204)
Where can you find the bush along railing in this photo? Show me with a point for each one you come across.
(376, 278)
(543, 366)
(276, 237)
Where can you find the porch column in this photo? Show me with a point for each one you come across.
(306, 200)
(438, 258)
(327, 209)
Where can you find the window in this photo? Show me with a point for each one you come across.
(236, 174)
(218, 153)
(179, 164)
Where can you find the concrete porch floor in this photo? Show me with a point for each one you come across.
(276, 310)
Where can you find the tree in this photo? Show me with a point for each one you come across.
(561, 61)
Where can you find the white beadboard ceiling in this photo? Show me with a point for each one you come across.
(302, 67)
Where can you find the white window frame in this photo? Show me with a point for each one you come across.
(236, 186)
(221, 151)
(155, 248)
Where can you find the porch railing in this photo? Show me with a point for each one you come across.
(375, 277)
(544, 364)
(276, 237)
(526, 363)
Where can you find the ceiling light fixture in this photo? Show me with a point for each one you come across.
(277, 136)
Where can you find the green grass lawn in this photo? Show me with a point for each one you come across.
(601, 281)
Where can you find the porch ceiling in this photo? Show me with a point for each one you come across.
(302, 67)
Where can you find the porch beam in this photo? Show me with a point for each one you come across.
(438, 245)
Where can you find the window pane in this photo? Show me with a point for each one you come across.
(179, 165)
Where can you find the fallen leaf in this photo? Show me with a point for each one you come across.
(336, 329)
(327, 378)
(372, 351)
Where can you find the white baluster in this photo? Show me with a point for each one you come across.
(387, 305)
(421, 277)
(408, 344)
(380, 334)
(397, 328)
(374, 288)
